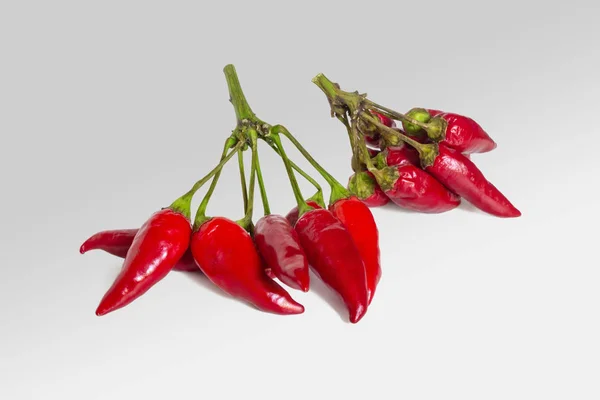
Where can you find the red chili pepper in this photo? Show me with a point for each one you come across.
(408, 186)
(462, 176)
(117, 242)
(364, 186)
(292, 216)
(401, 154)
(226, 254)
(462, 133)
(278, 244)
(466, 135)
(333, 255)
(159, 244)
(359, 222)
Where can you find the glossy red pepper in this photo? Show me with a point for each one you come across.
(226, 254)
(466, 135)
(364, 186)
(159, 244)
(462, 176)
(279, 246)
(401, 154)
(292, 216)
(408, 186)
(117, 242)
(333, 255)
(462, 133)
(359, 221)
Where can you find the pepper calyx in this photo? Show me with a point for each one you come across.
(386, 177)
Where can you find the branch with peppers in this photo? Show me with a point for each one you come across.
(424, 167)
(339, 241)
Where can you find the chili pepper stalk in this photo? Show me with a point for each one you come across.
(340, 100)
(358, 107)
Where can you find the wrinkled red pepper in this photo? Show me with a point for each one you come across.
(408, 186)
(462, 176)
(158, 245)
(359, 221)
(117, 242)
(462, 133)
(364, 186)
(226, 254)
(333, 255)
(279, 246)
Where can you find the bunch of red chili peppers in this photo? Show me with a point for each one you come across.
(423, 167)
(339, 242)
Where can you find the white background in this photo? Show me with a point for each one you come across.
(110, 110)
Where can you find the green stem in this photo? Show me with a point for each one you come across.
(246, 222)
(427, 152)
(201, 213)
(236, 95)
(395, 114)
(183, 203)
(338, 99)
(302, 206)
(337, 190)
(299, 170)
(243, 178)
(261, 182)
(361, 148)
(356, 103)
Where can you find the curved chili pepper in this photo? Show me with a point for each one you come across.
(292, 216)
(359, 221)
(157, 247)
(333, 255)
(117, 242)
(226, 254)
(462, 176)
(364, 186)
(279, 246)
(408, 186)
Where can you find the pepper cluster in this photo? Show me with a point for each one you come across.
(425, 166)
(339, 242)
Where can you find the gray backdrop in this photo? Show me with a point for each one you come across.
(110, 110)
